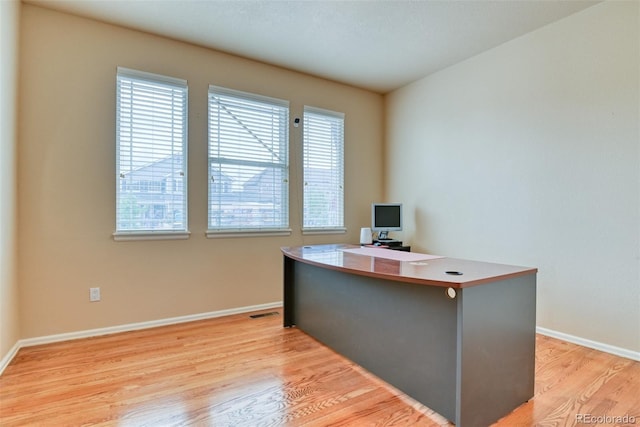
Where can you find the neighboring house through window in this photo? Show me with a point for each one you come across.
(248, 164)
(151, 160)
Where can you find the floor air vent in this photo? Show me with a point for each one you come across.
(256, 316)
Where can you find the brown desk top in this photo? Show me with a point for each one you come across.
(428, 272)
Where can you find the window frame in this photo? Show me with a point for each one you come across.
(169, 83)
(331, 115)
(240, 230)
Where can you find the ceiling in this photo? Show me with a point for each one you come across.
(376, 45)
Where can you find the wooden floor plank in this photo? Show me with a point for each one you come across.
(237, 371)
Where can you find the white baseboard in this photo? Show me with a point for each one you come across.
(129, 327)
(617, 351)
(9, 357)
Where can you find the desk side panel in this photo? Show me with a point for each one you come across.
(497, 349)
(287, 292)
(404, 333)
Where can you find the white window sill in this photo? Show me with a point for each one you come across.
(220, 234)
(337, 230)
(150, 235)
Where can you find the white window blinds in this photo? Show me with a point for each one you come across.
(323, 169)
(151, 158)
(248, 162)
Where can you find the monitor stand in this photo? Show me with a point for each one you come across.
(384, 239)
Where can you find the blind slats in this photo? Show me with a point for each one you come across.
(151, 141)
(248, 162)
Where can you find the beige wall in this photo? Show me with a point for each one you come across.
(529, 154)
(67, 183)
(9, 30)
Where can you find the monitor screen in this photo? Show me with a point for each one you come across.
(386, 216)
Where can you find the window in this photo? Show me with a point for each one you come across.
(323, 171)
(248, 164)
(151, 144)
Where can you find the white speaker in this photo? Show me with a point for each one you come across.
(365, 236)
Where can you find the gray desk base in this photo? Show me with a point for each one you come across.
(471, 358)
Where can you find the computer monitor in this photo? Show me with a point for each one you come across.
(386, 217)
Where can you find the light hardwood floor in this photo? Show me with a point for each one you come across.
(237, 371)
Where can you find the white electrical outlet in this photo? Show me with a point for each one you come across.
(94, 294)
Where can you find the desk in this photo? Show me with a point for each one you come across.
(470, 357)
